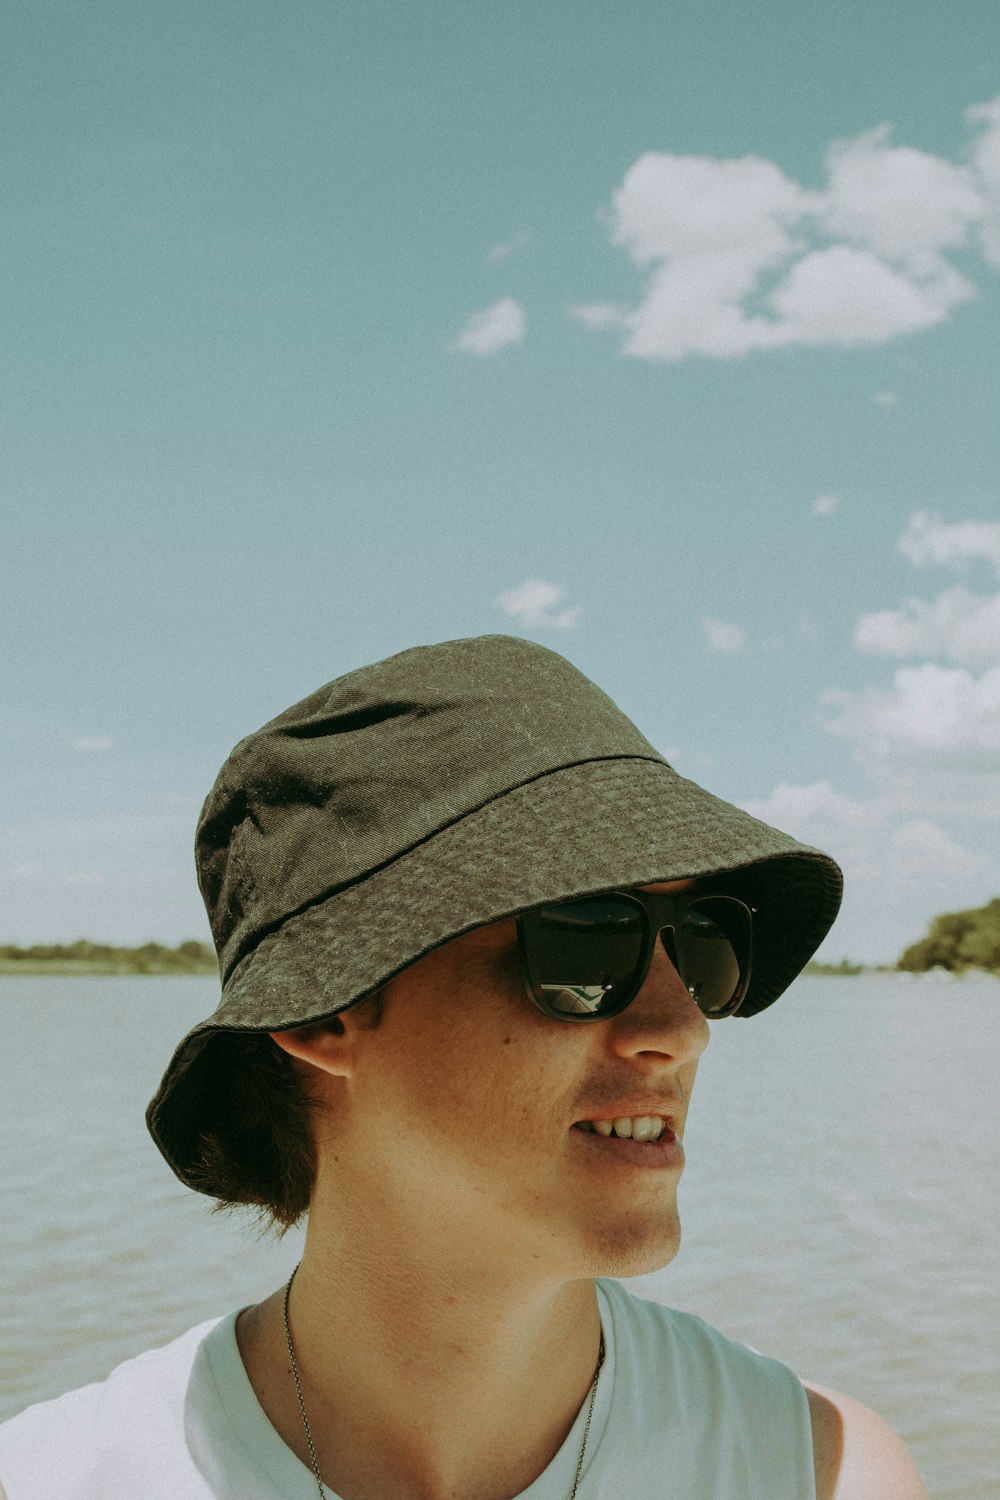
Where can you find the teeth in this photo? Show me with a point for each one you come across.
(636, 1128)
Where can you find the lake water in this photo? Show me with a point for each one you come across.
(841, 1203)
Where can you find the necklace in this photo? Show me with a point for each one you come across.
(308, 1431)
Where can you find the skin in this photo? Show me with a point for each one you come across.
(446, 1149)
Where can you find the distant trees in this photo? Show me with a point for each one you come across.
(959, 940)
(845, 969)
(83, 956)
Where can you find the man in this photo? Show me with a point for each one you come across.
(472, 929)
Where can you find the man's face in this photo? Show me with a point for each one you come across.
(470, 1115)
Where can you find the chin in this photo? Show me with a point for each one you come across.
(636, 1248)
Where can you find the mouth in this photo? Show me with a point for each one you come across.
(631, 1141)
(628, 1127)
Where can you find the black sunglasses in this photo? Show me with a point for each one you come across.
(586, 959)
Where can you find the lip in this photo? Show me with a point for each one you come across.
(666, 1153)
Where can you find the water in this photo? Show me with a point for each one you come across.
(840, 1205)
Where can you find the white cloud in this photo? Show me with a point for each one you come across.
(927, 539)
(848, 297)
(493, 328)
(534, 604)
(816, 814)
(920, 849)
(964, 797)
(960, 627)
(692, 206)
(692, 306)
(708, 229)
(722, 636)
(738, 256)
(943, 717)
(929, 740)
(866, 837)
(985, 157)
(904, 205)
(92, 742)
(899, 870)
(825, 505)
(510, 247)
(600, 315)
(884, 398)
(931, 737)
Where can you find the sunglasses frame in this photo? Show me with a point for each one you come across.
(660, 911)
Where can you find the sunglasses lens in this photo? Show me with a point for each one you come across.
(586, 959)
(585, 952)
(712, 947)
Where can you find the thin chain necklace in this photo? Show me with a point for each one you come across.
(308, 1432)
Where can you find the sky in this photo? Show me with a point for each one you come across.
(664, 335)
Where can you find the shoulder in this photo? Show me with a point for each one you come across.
(64, 1444)
(689, 1343)
(720, 1417)
(857, 1454)
(719, 1385)
(156, 1370)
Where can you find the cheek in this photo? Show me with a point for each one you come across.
(500, 1078)
(465, 1048)
(495, 1089)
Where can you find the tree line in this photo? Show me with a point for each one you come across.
(190, 957)
(958, 940)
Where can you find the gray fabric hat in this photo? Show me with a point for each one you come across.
(439, 790)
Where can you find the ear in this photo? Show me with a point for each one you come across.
(328, 1045)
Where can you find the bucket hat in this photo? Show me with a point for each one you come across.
(442, 789)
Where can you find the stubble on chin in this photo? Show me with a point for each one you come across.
(635, 1247)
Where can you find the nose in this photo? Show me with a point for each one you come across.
(663, 1020)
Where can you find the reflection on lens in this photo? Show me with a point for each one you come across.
(586, 949)
(576, 999)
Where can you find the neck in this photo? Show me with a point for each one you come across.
(424, 1377)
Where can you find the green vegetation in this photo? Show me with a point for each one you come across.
(957, 941)
(83, 957)
(845, 969)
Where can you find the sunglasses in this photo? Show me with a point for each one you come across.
(587, 959)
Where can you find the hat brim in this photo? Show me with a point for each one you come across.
(583, 828)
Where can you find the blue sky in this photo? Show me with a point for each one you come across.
(667, 341)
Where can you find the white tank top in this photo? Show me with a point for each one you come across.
(681, 1413)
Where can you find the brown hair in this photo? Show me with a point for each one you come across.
(256, 1147)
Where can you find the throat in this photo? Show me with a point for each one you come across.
(474, 1382)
